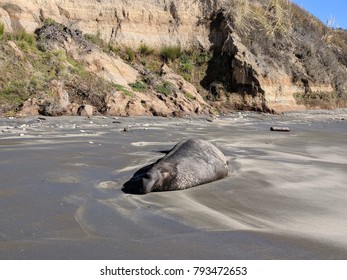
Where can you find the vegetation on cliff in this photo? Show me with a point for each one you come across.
(28, 69)
(31, 62)
(283, 35)
(254, 45)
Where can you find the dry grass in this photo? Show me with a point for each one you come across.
(270, 17)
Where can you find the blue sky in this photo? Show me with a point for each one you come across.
(325, 9)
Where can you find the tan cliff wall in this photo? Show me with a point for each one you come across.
(267, 81)
(154, 22)
(251, 81)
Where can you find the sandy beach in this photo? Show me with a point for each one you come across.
(285, 196)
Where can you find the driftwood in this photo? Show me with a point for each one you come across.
(281, 129)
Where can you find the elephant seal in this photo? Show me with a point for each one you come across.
(190, 163)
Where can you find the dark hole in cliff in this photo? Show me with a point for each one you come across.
(218, 71)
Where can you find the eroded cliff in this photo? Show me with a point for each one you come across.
(266, 55)
(125, 22)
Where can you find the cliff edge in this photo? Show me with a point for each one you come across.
(119, 56)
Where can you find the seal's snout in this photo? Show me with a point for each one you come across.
(134, 187)
(147, 183)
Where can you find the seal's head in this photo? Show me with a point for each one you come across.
(157, 178)
(150, 181)
(154, 178)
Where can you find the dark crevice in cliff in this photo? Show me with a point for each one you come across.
(218, 66)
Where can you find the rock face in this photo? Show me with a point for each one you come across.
(125, 22)
(108, 67)
(180, 99)
(85, 111)
(29, 108)
(237, 77)
(258, 86)
(262, 82)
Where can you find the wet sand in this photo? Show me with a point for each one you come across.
(285, 196)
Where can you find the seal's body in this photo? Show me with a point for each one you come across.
(188, 164)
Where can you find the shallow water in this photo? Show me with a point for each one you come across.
(285, 196)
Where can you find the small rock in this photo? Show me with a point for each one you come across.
(85, 111)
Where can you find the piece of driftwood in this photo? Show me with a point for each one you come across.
(281, 129)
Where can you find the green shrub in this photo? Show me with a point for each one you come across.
(50, 21)
(186, 64)
(23, 36)
(95, 39)
(112, 48)
(170, 53)
(130, 54)
(325, 100)
(2, 29)
(145, 49)
(123, 89)
(15, 92)
(164, 88)
(138, 86)
(189, 96)
(201, 58)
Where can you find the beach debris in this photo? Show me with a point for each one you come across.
(280, 129)
(85, 110)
